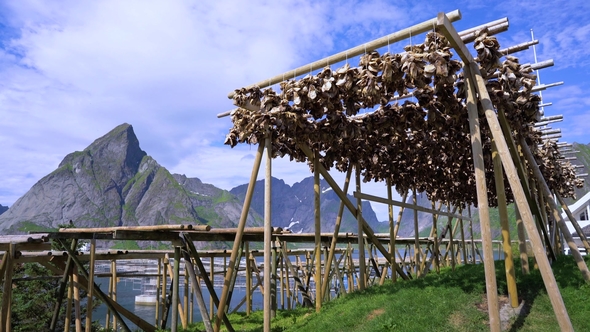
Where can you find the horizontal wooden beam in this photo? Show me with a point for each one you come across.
(408, 206)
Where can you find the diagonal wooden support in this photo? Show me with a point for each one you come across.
(239, 237)
(473, 75)
(192, 251)
(366, 228)
(196, 285)
(335, 236)
(62, 287)
(116, 308)
(523, 176)
(556, 215)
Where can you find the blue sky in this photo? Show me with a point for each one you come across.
(71, 71)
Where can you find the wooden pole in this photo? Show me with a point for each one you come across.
(5, 324)
(482, 203)
(434, 232)
(77, 311)
(503, 211)
(416, 236)
(192, 251)
(391, 230)
(196, 289)
(158, 291)
(68, 320)
(361, 49)
(239, 236)
(473, 74)
(318, 231)
(522, 247)
(90, 286)
(62, 287)
(267, 233)
(463, 245)
(248, 279)
(361, 242)
(212, 277)
(175, 289)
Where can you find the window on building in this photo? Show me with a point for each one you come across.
(584, 215)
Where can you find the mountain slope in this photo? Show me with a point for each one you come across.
(293, 206)
(113, 183)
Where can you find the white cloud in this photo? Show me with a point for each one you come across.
(72, 71)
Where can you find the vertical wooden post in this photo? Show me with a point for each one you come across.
(391, 230)
(267, 233)
(248, 279)
(239, 236)
(158, 291)
(185, 293)
(107, 325)
(522, 247)
(361, 241)
(318, 230)
(540, 255)
(503, 211)
(68, 320)
(166, 261)
(434, 234)
(77, 309)
(7, 291)
(175, 289)
(273, 281)
(482, 202)
(416, 236)
(90, 286)
(282, 285)
(212, 277)
(463, 246)
(189, 268)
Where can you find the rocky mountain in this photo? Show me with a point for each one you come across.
(113, 183)
(3, 208)
(293, 206)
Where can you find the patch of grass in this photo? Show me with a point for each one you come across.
(126, 245)
(29, 226)
(449, 301)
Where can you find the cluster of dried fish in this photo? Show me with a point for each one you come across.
(559, 174)
(423, 145)
(510, 87)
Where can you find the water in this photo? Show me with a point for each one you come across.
(126, 293)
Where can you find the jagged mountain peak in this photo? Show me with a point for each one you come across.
(113, 182)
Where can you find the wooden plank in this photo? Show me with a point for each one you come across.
(201, 228)
(406, 205)
(267, 231)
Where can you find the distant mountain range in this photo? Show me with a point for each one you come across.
(113, 182)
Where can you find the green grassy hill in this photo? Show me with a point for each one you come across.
(449, 301)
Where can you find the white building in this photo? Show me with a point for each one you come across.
(581, 211)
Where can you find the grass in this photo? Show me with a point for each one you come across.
(449, 301)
